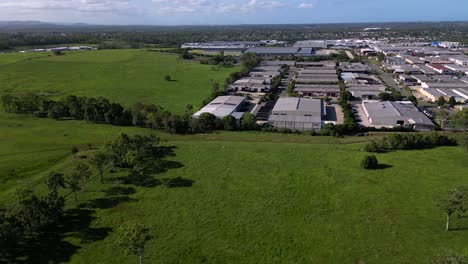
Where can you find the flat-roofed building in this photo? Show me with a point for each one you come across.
(298, 114)
(356, 67)
(396, 114)
(251, 84)
(281, 51)
(366, 92)
(318, 70)
(318, 90)
(223, 106)
(317, 79)
(316, 64)
(277, 63)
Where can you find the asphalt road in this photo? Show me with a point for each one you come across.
(387, 78)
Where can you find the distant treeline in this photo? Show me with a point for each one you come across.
(99, 110)
(139, 36)
(395, 142)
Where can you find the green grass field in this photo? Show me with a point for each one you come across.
(256, 197)
(293, 199)
(124, 76)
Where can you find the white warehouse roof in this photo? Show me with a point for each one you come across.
(222, 106)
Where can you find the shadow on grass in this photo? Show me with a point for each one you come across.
(384, 166)
(106, 202)
(119, 190)
(178, 182)
(140, 180)
(77, 224)
(48, 245)
(44, 248)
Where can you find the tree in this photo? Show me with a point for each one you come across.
(381, 56)
(413, 99)
(214, 88)
(167, 78)
(384, 96)
(441, 118)
(58, 53)
(452, 102)
(73, 183)
(248, 121)
(55, 180)
(207, 122)
(229, 123)
(132, 238)
(74, 151)
(450, 257)
(460, 119)
(455, 202)
(370, 162)
(464, 141)
(100, 161)
(441, 101)
(53, 201)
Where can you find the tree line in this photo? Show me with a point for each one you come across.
(395, 142)
(34, 218)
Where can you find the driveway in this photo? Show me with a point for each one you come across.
(388, 79)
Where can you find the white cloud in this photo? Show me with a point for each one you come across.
(73, 5)
(306, 6)
(223, 6)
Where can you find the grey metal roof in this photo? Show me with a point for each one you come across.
(294, 104)
(221, 106)
(274, 50)
(316, 87)
(295, 118)
(389, 113)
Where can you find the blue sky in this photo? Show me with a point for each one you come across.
(189, 12)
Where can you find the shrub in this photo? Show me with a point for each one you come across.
(207, 122)
(370, 163)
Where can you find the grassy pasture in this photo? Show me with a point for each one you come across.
(124, 76)
(256, 197)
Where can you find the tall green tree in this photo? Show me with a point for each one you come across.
(229, 123)
(207, 122)
(452, 102)
(456, 201)
(132, 238)
(460, 119)
(248, 121)
(441, 101)
(100, 162)
(77, 177)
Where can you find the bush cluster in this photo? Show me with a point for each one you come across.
(370, 163)
(409, 141)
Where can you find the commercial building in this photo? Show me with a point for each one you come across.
(316, 79)
(318, 90)
(298, 114)
(460, 60)
(223, 106)
(366, 92)
(281, 51)
(356, 67)
(251, 84)
(396, 114)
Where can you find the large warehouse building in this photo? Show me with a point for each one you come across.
(223, 106)
(394, 114)
(298, 113)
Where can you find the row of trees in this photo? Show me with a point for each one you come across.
(30, 217)
(35, 218)
(409, 141)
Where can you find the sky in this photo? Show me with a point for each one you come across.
(220, 12)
